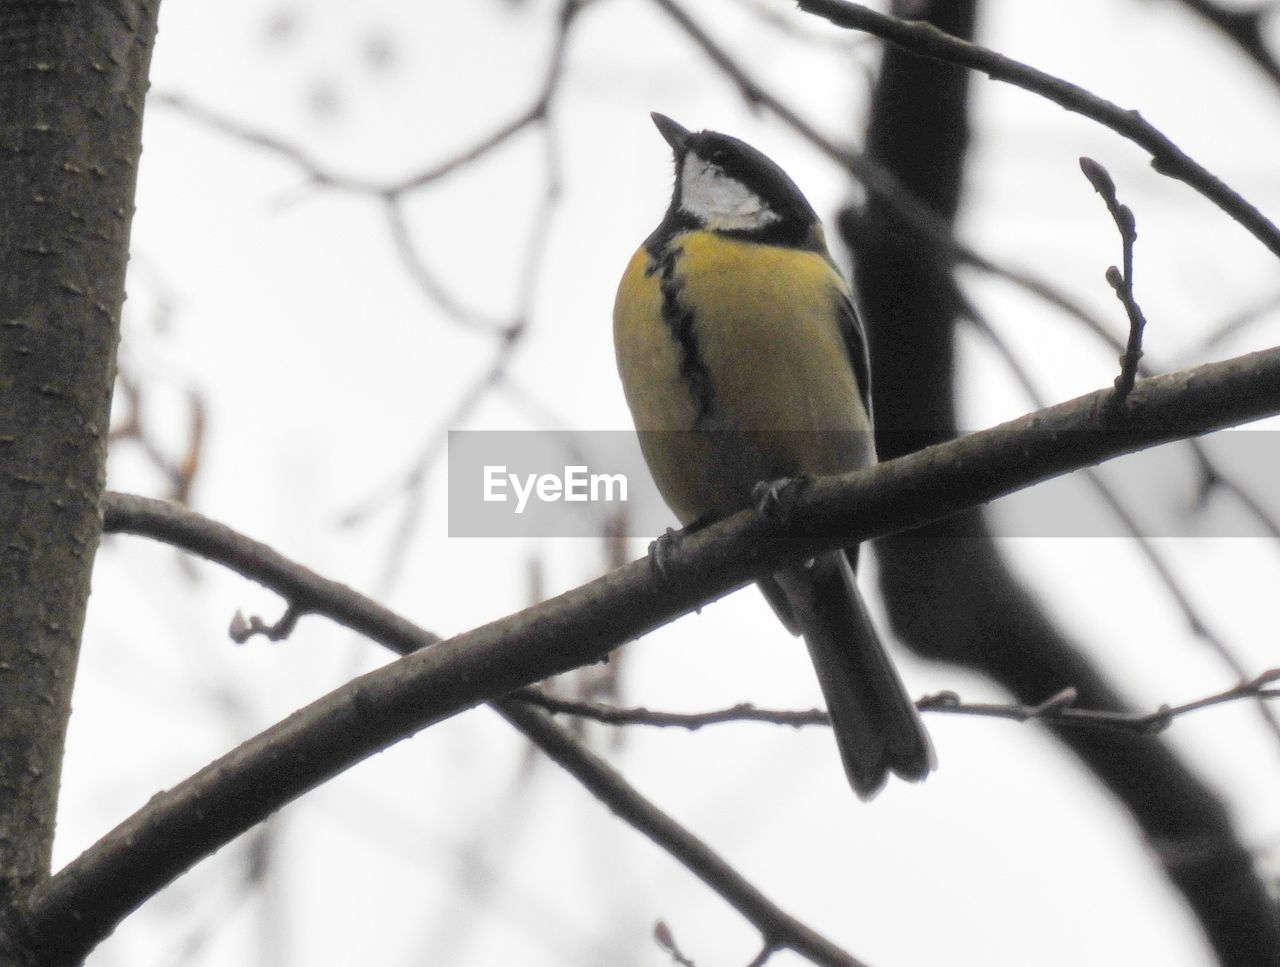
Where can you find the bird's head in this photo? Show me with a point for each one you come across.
(725, 185)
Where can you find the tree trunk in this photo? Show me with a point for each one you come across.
(73, 77)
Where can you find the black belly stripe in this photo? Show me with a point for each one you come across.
(680, 320)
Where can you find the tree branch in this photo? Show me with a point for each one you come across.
(304, 591)
(1120, 279)
(73, 911)
(1059, 709)
(1244, 28)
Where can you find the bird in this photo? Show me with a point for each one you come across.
(745, 367)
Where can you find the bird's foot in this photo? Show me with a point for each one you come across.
(660, 552)
(775, 500)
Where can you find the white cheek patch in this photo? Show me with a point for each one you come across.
(718, 201)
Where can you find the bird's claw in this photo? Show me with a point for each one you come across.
(775, 500)
(660, 551)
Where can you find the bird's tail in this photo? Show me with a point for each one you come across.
(877, 727)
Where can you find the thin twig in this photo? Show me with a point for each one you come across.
(425, 279)
(1059, 709)
(1237, 322)
(1121, 281)
(303, 589)
(1245, 28)
(1212, 478)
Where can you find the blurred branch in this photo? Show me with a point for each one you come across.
(925, 40)
(321, 175)
(76, 908)
(1211, 479)
(181, 474)
(508, 333)
(435, 290)
(393, 193)
(316, 172)
(1060, 709)
(1234, 324)
(1244, 28)
(412, 485)
(776, 927)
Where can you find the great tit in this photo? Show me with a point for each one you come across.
(744, 362)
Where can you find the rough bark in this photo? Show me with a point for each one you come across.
(73, 75)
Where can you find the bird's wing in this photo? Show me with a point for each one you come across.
(855, 341)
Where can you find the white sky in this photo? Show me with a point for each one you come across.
(324, 369)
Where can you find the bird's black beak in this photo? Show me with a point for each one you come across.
(674, 134)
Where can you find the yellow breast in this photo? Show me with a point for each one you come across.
(771, 392)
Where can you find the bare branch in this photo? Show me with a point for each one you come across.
(393, 193)
(925, 40)
(1060, 709)
(303, 589)
(1121, 281)
(1245, 28)
(321, 175)
(316, 173)
(425, 279)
